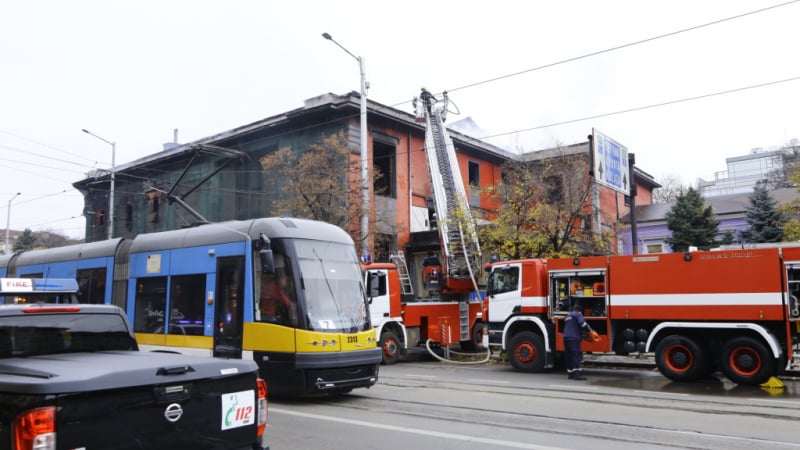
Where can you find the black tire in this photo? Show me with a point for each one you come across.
(475, 344)
(390, 347)
(680, 358)
(527, 352)
(747, 361)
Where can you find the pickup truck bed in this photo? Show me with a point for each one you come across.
(52, 385)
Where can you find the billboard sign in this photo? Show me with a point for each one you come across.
(610, 163)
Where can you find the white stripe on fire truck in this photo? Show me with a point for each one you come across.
(738, 299)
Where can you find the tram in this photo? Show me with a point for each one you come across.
(285, 292)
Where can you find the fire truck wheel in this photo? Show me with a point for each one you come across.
(390, 346)
(478, 331)
(747, 361)
(680, 358)
(527, 352)
(476, 343)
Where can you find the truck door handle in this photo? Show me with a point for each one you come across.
(175, 370)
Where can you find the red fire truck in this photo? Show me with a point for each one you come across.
(404, 322)
(736, 311)
(447, 306)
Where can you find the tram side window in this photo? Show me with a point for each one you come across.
(151, 300)
(187, 305)
(92, 286)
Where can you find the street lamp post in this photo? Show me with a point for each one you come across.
(364, 154)
(8, 221)
(113, 173)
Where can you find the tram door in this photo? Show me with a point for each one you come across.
(229, 307)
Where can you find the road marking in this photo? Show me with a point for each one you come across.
(574, 386)
(679, 394)
(439, 434)
(413, 375)
(482, 380)
(779, 402)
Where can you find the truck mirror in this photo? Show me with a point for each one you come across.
(373, 285)
(265, 254)
(267, 261)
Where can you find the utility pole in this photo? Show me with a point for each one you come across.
(365, 200)
(113, 173)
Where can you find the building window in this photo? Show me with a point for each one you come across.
(383, 158)
(385, 246)
(555, 188)
(153, 200)
(655, 248)
(474, 174)
(474, 184)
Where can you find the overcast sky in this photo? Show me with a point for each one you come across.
(526, 72)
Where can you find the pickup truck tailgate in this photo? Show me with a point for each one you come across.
(163, 404)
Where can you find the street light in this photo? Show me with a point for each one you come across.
(8, 221)
(111, 193)
(364, 155)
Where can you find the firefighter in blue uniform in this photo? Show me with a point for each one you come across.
(574, 327)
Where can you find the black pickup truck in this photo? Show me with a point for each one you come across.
(71, 377)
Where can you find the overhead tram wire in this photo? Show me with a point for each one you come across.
(641, 108)
(611, 49)
(46, 146)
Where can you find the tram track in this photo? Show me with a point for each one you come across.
(650, 419)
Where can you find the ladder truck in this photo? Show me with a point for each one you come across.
(452, 311)
(733, 311)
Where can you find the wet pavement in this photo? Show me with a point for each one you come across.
(648, 378)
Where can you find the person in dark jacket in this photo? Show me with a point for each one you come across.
(574, 327)
(427, 99)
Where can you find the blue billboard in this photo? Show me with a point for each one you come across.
(610, 163)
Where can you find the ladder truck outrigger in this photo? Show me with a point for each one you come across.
(733, 311)
(452, 310)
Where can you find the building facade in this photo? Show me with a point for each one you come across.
(745, 172)
(220, 178)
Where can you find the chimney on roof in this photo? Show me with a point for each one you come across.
(174, 143)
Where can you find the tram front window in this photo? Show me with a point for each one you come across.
(334, 293)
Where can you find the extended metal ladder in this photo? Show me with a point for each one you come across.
(402, 269)
(457, 227)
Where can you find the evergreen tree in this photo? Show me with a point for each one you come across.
(691, 222)
(25, 241)
(763, 219)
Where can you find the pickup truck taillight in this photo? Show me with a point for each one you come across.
(35, 429)
(262, 406)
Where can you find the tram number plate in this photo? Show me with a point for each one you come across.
(352, 339)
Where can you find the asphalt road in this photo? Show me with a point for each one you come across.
(432, 405)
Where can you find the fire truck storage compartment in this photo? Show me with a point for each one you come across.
(793, 280)
(583, 287)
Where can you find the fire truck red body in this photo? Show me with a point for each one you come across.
(403, 322)
(732, 310)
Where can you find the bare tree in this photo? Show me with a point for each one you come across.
(782, 177)
(671, 188)
(321, 182)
